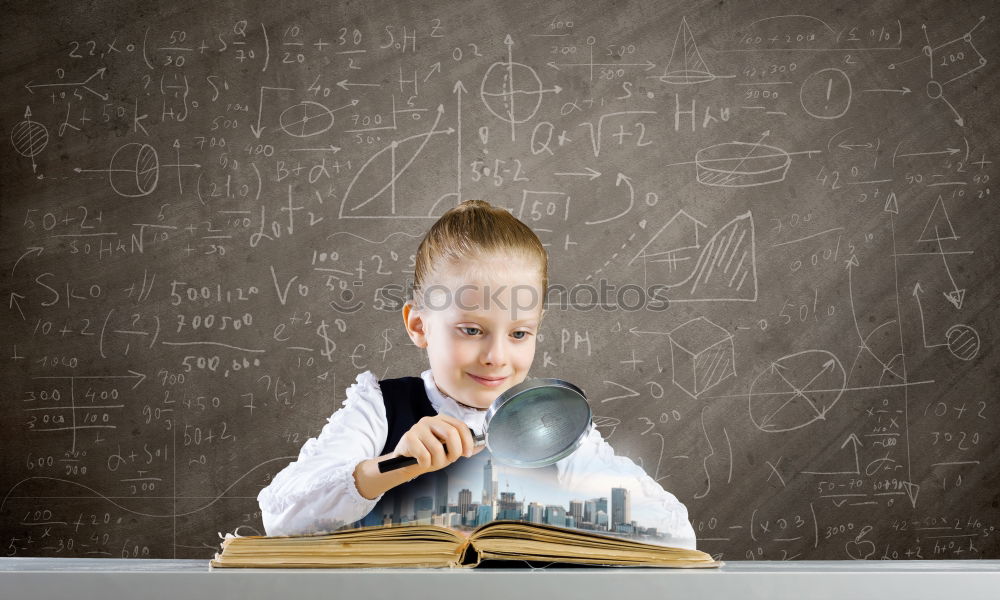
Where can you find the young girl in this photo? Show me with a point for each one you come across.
(478, 294)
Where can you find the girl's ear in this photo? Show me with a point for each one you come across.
(415, 325)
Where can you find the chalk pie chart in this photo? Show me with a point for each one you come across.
(796, 390)
(741, 164)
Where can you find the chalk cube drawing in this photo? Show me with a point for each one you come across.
(702, 355)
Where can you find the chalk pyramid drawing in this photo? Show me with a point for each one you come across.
(724, 268)
(686, 66)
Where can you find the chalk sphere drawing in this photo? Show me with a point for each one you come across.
(29, 138)
(963, 342)
(503, 87)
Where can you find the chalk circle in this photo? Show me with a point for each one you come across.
(741, 164)
(306, 119)
(963, 342)
(796, 390)
(29, 138)
(502, 97)
(934, 90)
(826, 94)
(134, 170)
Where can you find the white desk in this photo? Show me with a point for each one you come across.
(113, 579)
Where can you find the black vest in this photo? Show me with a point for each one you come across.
(406, 402)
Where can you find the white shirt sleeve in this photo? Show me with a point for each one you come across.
(593, 469)
(317, 492)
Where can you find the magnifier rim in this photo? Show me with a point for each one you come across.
(525, 386)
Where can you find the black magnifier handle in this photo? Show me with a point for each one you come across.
(398, 462)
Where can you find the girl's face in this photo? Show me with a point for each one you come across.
(479, 328)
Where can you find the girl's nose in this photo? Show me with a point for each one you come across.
(495, 353)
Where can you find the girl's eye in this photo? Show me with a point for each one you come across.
(465, 329)
(526, 334)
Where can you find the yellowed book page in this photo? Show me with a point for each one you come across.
(430, 561)
(673, 563)
(499, 530)
(526, 547)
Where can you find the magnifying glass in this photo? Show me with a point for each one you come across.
(533, 424)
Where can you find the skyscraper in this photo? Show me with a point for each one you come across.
(490, 485)
(602, 504)
(576, 510)
(621, 507)
(440, 491)
(536, 512)
(464, 501)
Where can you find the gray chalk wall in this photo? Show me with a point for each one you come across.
(776, 222)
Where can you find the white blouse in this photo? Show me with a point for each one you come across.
(319, 489)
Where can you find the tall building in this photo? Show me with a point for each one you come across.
(576, 510)
(555, 515)
(621, 507)
(440, 491)
(602, 504)
(490, 484)
(589, 511)
(464, 501)
(509, 507)
(536, 513)
(484, 514)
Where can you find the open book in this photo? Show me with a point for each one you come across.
(438, 546)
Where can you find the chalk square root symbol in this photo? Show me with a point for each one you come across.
(701, 355)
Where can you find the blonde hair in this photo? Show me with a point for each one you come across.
(475, 230)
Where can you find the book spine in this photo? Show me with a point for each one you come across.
(468, 554)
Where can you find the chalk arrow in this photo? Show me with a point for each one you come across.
(956, 297)
(36, 250)
(846, 146)
(912, 491)
(13, 302)
(343, 84)
(891, 204)
(590, 173)
(139, 376)
(902, 91)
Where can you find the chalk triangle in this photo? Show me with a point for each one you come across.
(938, 226)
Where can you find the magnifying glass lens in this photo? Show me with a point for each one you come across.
(537, 425)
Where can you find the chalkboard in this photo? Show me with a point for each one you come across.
(209, 212)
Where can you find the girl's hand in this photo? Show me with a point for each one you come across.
(436, 442)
